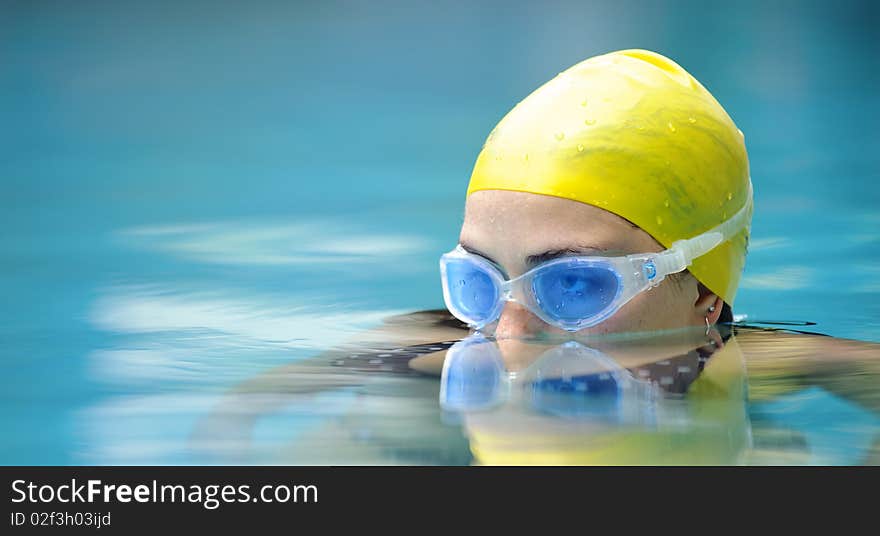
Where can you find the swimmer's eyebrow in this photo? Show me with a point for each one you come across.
(475, 251)
(534, 260)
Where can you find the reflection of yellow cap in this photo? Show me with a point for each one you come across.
(633, 133)
(710, 426)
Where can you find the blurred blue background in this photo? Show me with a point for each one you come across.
(189, 186)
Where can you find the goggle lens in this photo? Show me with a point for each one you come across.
(570, 292)
(471, 289)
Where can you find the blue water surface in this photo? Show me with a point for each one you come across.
(193, 192)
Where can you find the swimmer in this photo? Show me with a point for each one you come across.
(615, 199)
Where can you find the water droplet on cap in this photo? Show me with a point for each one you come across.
(729, 196)
(580, 148)
(666, 203)
(692, 120)
(526, 157)
(560, 136)
(590, 121)
(584, 103)
(671, 126)
(659, 220)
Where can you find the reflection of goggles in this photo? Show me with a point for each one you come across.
(574, 292)
(569, 380)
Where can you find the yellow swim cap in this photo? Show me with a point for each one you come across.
(635, 134)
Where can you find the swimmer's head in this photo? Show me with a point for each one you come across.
(624, 153)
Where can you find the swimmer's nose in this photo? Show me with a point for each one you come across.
(516, 321)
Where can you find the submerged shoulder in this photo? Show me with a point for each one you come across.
(780, 362)
(428, 317)
(761, 345)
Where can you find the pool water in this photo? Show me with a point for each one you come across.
(197, 199)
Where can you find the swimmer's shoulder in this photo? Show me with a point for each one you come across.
(409, 343)
(776, 345)
(418, 328)
(438, 318)
(781, 363)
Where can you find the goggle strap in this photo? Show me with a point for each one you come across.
(683, 252)
(697, 246)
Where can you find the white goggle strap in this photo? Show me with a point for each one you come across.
(683, 252)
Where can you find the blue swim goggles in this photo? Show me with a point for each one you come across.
(573, 292)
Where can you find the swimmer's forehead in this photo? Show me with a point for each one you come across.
(506, 226)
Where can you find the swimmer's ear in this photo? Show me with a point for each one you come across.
(705, 301)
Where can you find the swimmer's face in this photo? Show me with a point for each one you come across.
(510, 227)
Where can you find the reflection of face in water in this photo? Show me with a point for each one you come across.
(571, 403)
(568, 380)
